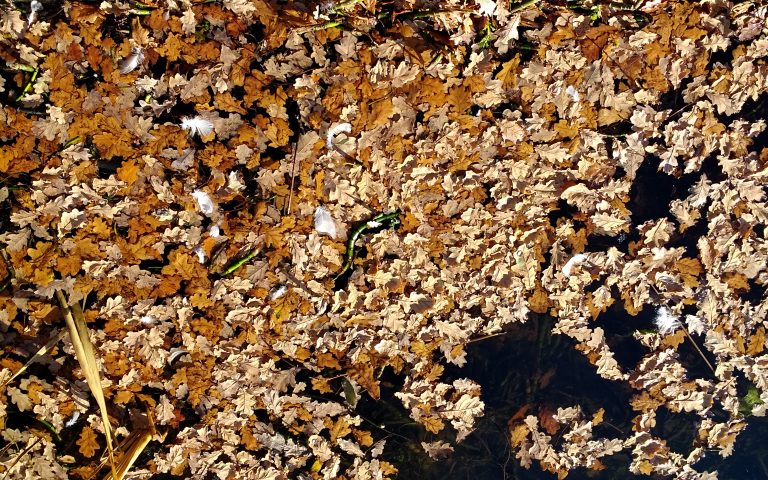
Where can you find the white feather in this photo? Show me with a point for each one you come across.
(666, 322)
(132, 61)
(333, 131)
(324, 223)
(573, 93)
(695, 324)
(197, 126)
(277, 292)
(34, 7)
(71, 422)
(575, 260)
(215, 231)
(176, 353)
(204, 202)
(200, 254)
(148, 320)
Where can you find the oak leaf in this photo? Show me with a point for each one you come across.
(432, 423)
(128, 172)
(87, 442)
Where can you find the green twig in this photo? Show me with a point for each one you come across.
(47, 426)
(323, 26)
(239, 263)
(28, 86)
(25, 68)
(385, 220)
(73, 141)
(435, 60)
(142, 9)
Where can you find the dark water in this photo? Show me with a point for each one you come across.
(528, 366)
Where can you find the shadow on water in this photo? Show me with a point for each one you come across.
(528, 370)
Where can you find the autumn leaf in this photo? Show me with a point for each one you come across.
(181, 264)
(518, 435)
(87, 442)
(757, 342)
(128, 171)
(547, 421)
(340, 429)
(432, 423)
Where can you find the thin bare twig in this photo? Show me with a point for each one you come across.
(696, 346)
(293, 178)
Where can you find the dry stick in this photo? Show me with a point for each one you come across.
(295, 280)
(9, 269)
(293, 178)
(131, 448)
(347, 156)
(40, 352)
(20, 455)
(696, 346)
(486, 337)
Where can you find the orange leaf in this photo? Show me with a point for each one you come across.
(519, 433)
(69, 265)
(381, 112)
(340, 429)
(181, 264)
(225, 101)
(539, 300)
(87, 442)
(597, 418)
(756, 342)
(432, 424)
(321, 385)
(737, 281)
(128, 172)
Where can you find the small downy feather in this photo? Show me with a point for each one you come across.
(324, 223)
(277, 292)
(204, 202)
(574, 261)
(197, 126)
(200, 254)
(73, 419)
(666, 322)
(332, 132)
(132, 61)
(34, 7)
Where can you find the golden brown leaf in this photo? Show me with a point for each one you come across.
(87, 442)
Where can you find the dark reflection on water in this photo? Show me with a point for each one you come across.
(529, 366)
(526, 366)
